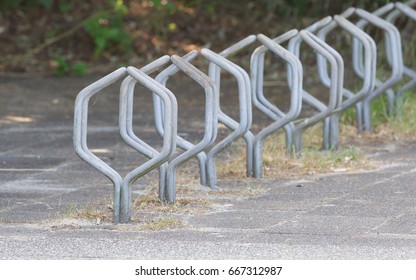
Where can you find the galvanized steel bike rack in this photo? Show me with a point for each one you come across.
(324, 111)
(211, 121)
(80, 134)
(394, 55)
(335, 87)
(403, 9)
(162, 78)
(369, 68)
(245, 109)
(126, 130)
(294, 47)
(280, 119)
(218, 62)
(122, 187)
(250, 93)
(127, 133)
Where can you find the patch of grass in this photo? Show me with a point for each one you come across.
(385, 129)
(279, 164)
(163, 223)
(183, 205)
(405, 123)
(98, 212)
(312, 160)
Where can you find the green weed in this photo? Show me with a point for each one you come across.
(64, 67)
(106, 27)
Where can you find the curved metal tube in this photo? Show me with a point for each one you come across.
(211, 121)
(368, 78)
(80, 134)
(406, 10)
(215, 74)
(392, 37)
(126, 118)
(218, 62)
(336, 78)
(294, 47)
(295, 98)
(257, 72)
(126, 130)
(182, 143)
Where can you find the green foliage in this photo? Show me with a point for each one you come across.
(298, 6)
(65, 7)
(46, 3)
(64, 67)
(405, 118)
(106, 29)
(165, 9)
(79, 68)
(119, 7)
(378, 110)
(349, 116)
(162, 6)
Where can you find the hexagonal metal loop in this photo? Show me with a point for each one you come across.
(335, 88)
(240, 129)
(169, 137)
(279, 118)
(406, 10)
(80, 134)
(122, 187)
(211, 121)
(393, 53)
(182, 143)
(350, 96)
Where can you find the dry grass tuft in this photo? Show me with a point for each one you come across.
(162, 223)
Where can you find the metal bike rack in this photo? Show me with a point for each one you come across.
(244, 93)
(324, 111)
(257, 77)
(392, 38)
(250, 86)
(218, 62)
(294, 47)
(335, 87)
(157, 159)
(122, 187)
(211, 120)
(126, 117)
(80, 134)
(403, 9)
(182, 143)
(280, 119)
(350, 98)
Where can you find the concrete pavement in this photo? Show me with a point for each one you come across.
(365, 215)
